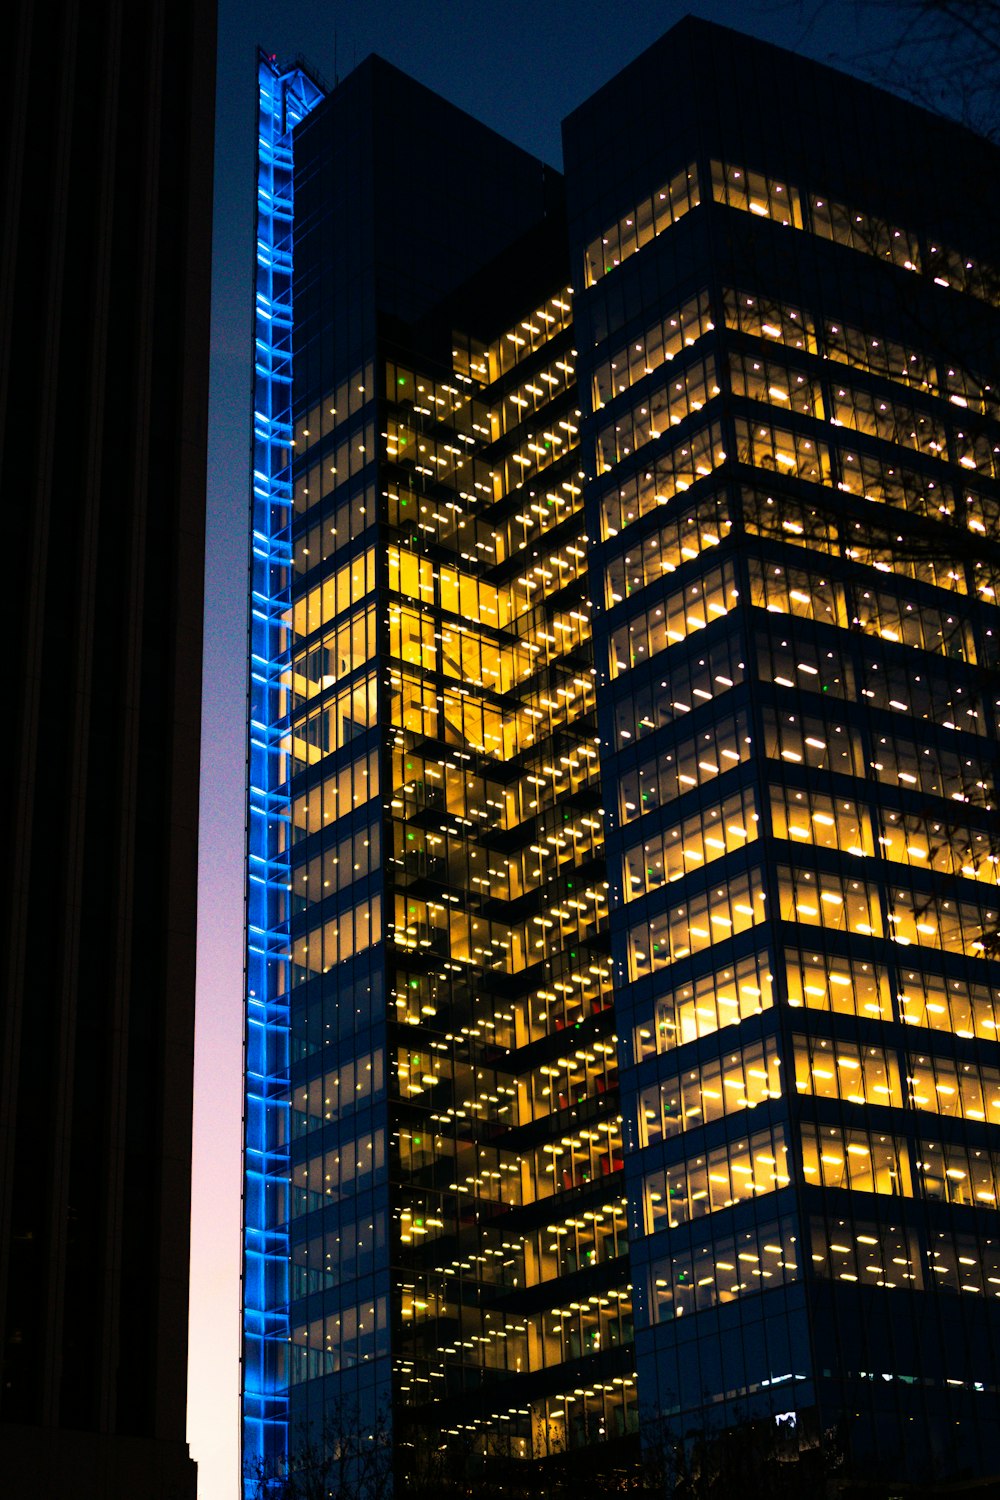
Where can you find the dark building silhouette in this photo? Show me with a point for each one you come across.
(107, 128)
(623, 1070)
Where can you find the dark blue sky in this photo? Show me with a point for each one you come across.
(520, 67)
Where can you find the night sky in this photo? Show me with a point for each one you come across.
(519, 67)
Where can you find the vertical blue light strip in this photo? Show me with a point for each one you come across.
(284, 98)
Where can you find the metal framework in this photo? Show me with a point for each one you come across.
(284, 98)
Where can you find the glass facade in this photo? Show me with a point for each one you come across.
(629, 705)
(791, 560)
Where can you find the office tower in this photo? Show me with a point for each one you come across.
(798, 728)
(104, 357)
(671, 523)
(430, 726)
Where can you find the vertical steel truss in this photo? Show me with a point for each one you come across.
(284, 98)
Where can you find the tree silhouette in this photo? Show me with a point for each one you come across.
(942, 54)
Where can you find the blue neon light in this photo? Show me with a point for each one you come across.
(284, 98)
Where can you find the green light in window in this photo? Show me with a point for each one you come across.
(416, 1140)
(402, 379)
